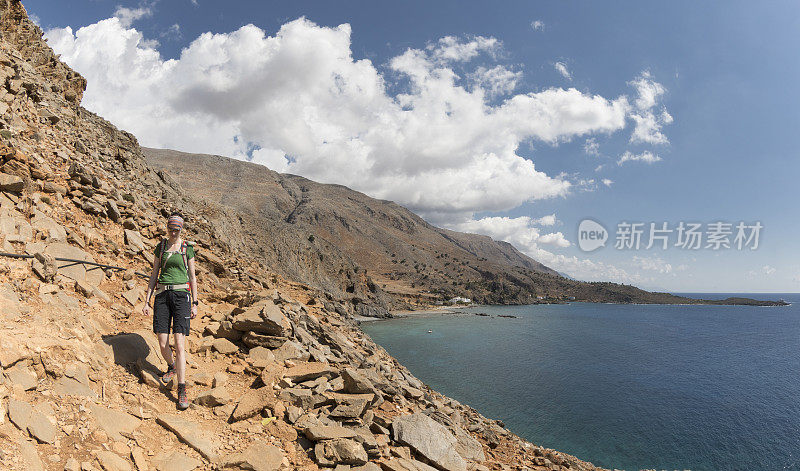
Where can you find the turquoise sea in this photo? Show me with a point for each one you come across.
(623, 386)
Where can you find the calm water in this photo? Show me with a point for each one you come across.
(623, 386)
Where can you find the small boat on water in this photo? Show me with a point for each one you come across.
(430, 331)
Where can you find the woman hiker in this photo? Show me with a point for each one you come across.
(175, 287)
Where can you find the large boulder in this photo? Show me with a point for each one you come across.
(405, 464)
(175, 461)
(29, 419)
(191, 434)
(467, 446)
(430, 439)
(213, 397)
(254, 339)
(112, 461)
(304, 371)
(223, 329)
(259, 456)
(11, 183)
(92, 274)
(328, 432)
(66, 386)
(340, 451)
(224, 346)
(22, 376)
(134, 240)
(252, 402)
(114, 422)
(355, 382)
(44, 266)
(264, 317)
(11, 308)
(305, 399)
(54, 231)
(291, 350)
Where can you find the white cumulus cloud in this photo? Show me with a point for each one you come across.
(549, 220)
(646, 156)
(650, 115)
(300, 102)
(496, 81)
(591, 147)
(656, 264)
(519, 231)
(451, 48)
(127, 16)
(561, 68)
(522, 233)
(173, 32)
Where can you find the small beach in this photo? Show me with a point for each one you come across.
(432, 311)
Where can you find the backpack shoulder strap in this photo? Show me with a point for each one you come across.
(161, 260)
(184, 250)
(184, 244)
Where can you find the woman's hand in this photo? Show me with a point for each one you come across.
(146, 309)
(194, 311)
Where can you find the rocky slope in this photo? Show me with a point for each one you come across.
(280, 376)
(326, 234)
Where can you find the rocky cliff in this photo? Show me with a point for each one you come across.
(279, 377)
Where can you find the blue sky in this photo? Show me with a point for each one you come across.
(726, 75)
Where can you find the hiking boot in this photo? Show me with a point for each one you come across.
(183, 401)
(167, 377)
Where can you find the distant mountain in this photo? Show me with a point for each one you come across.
(372, 253)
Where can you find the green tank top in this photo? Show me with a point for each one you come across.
(174, 272)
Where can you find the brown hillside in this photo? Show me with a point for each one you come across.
(369, 253)
(401, 253)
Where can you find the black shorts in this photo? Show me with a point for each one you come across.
(172, 307)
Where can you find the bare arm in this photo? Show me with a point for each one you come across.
(193, 286)
(192, 279)
(151, 285)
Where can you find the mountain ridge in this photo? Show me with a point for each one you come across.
(375, 252)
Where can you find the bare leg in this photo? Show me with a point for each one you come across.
(180, 360)
(166, 351)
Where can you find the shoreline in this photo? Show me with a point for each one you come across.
(442, 310)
